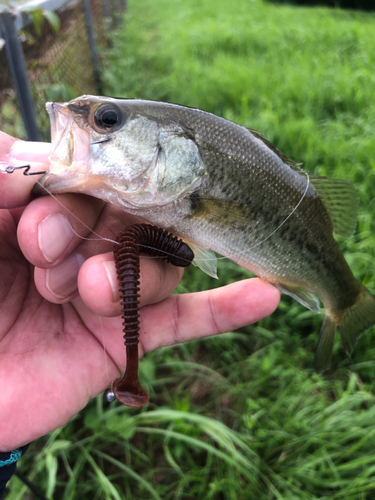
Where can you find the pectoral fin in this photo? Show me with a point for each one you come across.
(204, 258)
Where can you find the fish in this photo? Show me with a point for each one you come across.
(223, 188)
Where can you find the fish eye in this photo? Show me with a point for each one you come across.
(108, 117)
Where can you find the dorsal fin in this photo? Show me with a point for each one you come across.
(341, 200)
(273, 148)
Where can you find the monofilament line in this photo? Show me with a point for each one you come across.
(288, 217)
(100, 238)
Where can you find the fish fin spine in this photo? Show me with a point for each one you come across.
(341, 201)
(272, 147)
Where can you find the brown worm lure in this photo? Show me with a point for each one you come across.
(130, 242)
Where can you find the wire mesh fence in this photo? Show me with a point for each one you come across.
(60, 64)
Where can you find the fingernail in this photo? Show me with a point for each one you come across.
(54, 236)
(61, 280)
(110, 269)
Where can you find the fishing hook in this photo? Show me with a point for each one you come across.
(9, 169)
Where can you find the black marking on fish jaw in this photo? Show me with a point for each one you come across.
(82, 110)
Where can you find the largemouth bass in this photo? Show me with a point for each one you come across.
(222, 187)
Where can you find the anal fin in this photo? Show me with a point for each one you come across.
(303, 296)
(323, 354)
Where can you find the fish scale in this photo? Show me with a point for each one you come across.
(221, 187)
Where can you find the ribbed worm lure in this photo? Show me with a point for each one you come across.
(156, 242)
(153, 241)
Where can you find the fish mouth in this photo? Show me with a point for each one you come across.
(70, 153)
(109, 165)
(73, 141)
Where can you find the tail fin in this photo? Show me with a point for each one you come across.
(354, 321)
(357, 319)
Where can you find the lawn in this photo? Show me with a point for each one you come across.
(243, 416)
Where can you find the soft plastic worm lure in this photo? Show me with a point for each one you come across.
(156, 242)
(153, 241)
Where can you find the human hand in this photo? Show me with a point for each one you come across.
(60, 331)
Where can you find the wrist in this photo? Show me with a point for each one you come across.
(10, 457)
(8, 462)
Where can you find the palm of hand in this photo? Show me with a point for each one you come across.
(54, 357)
(51, 355)
(58, 352)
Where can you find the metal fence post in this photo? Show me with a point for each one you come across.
(107, 13)
(18, 71)
(123, 4)
(94, 55)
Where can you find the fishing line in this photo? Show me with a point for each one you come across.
(288, 217)
(105, 354)
(9, 169)
(267, 237)
(100, 238)
(279, 226)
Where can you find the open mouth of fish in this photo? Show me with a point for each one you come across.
(70, 152)
(77, 165)
(73, 148)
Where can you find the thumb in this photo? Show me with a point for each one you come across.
(15, 188)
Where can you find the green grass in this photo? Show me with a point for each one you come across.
(243, 416)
